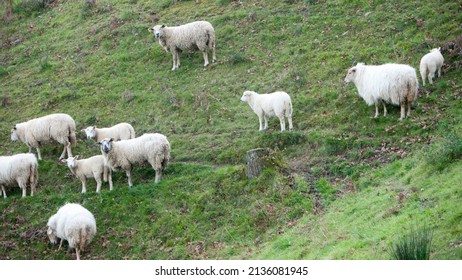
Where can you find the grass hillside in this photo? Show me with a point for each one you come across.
(344, 185)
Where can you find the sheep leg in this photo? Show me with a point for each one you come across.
(214, 55)
(266, 122)
(77, 253)
(68, 148)
(439, 71)
(206, 58)
(423, 74)
(283, 123)
(3, 191)
(158, 176)
(403, 111)
(376, 110)
(129, 175)
(260, 120)
(39, 155)
(84, 185)
(109, 177)
(384, 109)
(430, 78)
(409, 104)
(290, 123)
(60, 244)
(22, 185)
(98, 183)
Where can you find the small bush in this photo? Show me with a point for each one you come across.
(413, 246)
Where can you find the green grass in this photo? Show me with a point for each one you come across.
(332, 193)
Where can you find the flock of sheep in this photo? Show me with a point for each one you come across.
(389, 83)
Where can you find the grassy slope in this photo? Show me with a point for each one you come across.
(102, 67)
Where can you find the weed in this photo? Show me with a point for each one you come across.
(444, 152)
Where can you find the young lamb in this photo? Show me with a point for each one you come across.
(92, 167)
(121, 131)
(267, 105)
(20, 169)
(388, 83)
(73, 223)
(152, 148)
(198, 35)
(429, 64)
(55, 127)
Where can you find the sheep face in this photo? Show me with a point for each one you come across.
(52, 235)
(90, 132)
(71, 161)
(14, 134)
(157, 30)
(106, 145)
(350, 75)
(246, 96)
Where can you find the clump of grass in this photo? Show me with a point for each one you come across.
(445, 152)
(29, 7)
(413, 246)
(236, 58)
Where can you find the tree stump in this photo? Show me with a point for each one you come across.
(255, 162)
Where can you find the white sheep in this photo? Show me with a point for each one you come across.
(152, 148)
(198, 35)
(121, 131)
(73, 223)
(430, 64)
(55, 127)
(92, 167)
(388, 83)
(20, 169)
(268, 105)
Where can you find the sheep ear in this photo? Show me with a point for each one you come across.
(77, 157)
(14, 127)
(112, 139)
(163, 26)
(94, 127)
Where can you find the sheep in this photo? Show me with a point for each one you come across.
(19, 168)
(121, 131)
(429, 64)
(153, 148)
(388, 83)
(198, 35)
(267, 105)
(55, 127)
(92, 167)
(73, 223)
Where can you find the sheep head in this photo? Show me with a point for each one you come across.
(157, 30)
(246, 96)
(90, 132)
(106, 145)
(14, 134)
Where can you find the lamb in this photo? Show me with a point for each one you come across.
(55, 127)
(92, 167)
(429, 64)
(153, 148)
(198, 35)
(388, 83)
(267, 105)
(121, 131)
(73, 223)
(20, 169)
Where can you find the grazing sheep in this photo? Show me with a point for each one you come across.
(121, 131)
(198, 35)
(388, 83)
(20, 169)
(152, 148)
(92, 167)
(429, 64)
(73, 223)
(55, 127)
(267, 105)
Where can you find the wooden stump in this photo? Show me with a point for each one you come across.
(255, 163)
